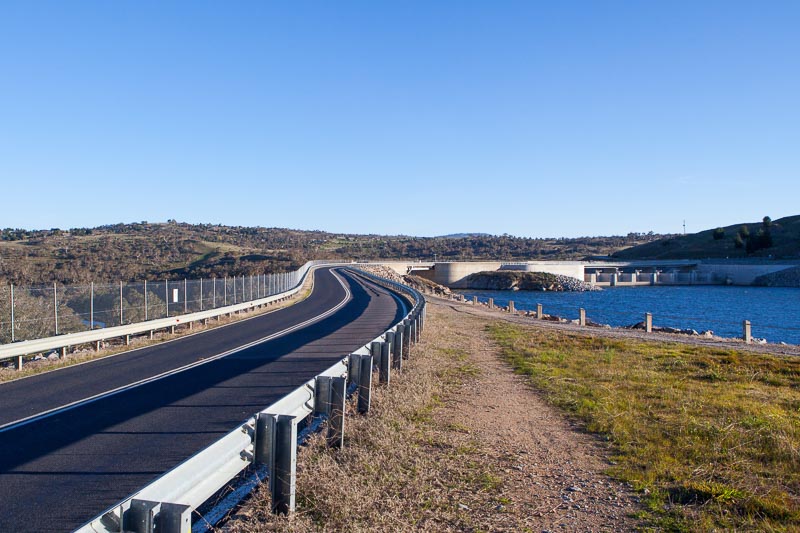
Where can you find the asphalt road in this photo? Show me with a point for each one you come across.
(60, 469)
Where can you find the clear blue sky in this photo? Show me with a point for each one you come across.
(530, 118)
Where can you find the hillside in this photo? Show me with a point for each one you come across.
(784, 233)
(176, 250)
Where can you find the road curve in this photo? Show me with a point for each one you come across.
(60, 467)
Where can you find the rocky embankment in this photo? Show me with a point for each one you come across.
(784, 278)
(509, 280)
(421, 284)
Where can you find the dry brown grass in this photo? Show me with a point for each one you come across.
(405, 466)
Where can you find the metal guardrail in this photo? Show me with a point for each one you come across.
(21, 349)
(268, 440)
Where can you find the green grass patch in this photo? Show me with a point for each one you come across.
(710, 436)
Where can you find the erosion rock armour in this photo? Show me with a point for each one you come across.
(783, 278)
(524, 281)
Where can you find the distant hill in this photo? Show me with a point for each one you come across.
(174, 250)
(462, 235)
(784, 234)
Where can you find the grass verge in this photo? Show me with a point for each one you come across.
(710, 436)
(406, 466)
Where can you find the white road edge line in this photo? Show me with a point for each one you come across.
(77, 403)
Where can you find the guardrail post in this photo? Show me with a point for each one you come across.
(338, 396)
(141, 517)
(322, 395)
(406, 325)
(353, 367)
(397, 349)
(174, 518)
(582, 316)
(746, 332)
(376, 351)
(648, 322)
(539, 312)
(385, 373)
(18, 362)
(364, 384)
(276, 446)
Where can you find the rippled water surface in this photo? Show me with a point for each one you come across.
(773, 312)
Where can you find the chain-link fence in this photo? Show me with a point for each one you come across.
(28, 313)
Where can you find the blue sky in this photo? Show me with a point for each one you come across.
(424, 118)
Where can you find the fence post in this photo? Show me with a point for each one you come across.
(364, 384)
(120, 303)
(201, 294)
(12, 313)
(491, 303)
(539, 312)
(185, 296)
(145, 300)
(225, 290)
(746, 336)
(55, 305)
(338, 396)
(511, 306)
(166, 296)
(648, 322)
(582, 316)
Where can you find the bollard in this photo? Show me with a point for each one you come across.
(474, 300)
(397, 349)
(746, 333)
(491, 303)
(539, 313)
(648, 322)
(384, 369)
(581, 316)
(364, 384)
(511, 306)
(336, 406)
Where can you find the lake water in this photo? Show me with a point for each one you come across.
(773, 312)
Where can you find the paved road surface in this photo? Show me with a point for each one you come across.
(60, 470)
